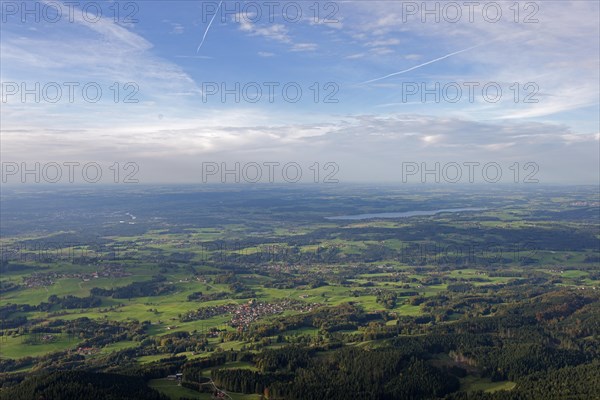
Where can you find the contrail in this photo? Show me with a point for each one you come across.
(421, 65)
(208, 27)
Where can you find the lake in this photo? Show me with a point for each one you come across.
(404, 214)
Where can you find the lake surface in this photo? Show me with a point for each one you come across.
(404, 214)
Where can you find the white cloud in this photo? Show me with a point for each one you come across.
(559, 53)
(177, 29)
(383, 42)
(355, 56)
(100, 52)
(365, 146)
(381, 51)
(167, 128)
(304, 47)
(277, 32)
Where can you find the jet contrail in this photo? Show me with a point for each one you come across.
(421, 65)
(208, 27)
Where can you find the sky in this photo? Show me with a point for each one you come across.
(344, 91)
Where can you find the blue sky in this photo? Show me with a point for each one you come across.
(366, 60)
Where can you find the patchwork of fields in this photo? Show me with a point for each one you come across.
(215, 292)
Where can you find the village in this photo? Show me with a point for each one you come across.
(48, 279)
(242, 315)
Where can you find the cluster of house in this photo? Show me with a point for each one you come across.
(211, 311)
(37, 280)
(288, 269)
(48, 338)
(47, 279)
(245, 314)
(87, 351)
(242, 315)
